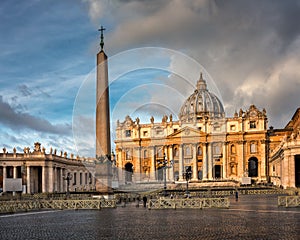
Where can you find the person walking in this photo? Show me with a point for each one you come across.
(145, 201)
(236, 195)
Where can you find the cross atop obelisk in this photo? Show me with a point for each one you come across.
(101, 37)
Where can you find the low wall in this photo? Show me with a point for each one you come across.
(21, 206)
(198, 203)
(289, 201)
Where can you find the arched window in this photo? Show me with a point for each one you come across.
(159, 152)
(128, 154)
(232, 169)
(145, 153)
(176, 153)
(232, 149)
(192, 107)
(199, 151)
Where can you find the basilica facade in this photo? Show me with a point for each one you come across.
(203, 141)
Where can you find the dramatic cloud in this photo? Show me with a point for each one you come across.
(251, 50)
(242, 44)
(17, 120)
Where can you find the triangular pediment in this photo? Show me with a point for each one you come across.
(185, 132)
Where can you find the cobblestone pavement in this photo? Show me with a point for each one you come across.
(252, 217)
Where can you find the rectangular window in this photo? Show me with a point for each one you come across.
(253, 148)
(159, 131)
(127, 133)
(160, 152)
(217, 128)
(74, 178)
(252, 124)
(90, 178)
(216, 149)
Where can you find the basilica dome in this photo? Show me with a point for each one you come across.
(201, 104)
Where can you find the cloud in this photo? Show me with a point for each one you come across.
(18, 120)
(96, 9)
(246, 46)
(24, 90)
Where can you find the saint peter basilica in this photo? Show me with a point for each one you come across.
(210, 146)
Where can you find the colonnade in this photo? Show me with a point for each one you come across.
(49, 179)
(209, 161)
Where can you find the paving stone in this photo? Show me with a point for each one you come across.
(251, 217)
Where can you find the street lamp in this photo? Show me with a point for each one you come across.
(187, 175)
(68, 178)
(165, 165)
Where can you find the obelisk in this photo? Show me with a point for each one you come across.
(103, 145)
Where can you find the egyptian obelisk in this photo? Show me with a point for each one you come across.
(103, 144)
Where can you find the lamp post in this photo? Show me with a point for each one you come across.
(187, 175)
(165, 165)
(68, 178)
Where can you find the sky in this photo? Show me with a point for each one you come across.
(249, 52)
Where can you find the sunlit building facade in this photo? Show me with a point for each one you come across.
(285, 157)
(203, 140)
(42, 171)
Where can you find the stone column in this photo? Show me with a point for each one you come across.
(210, 162)
(15, 172)
(14, 176)
(55, 180)
(195, 163)
(44, 179)
(168, 161)
(152, 159)
(171, 170)
(137, 168)
(224, 160)
(62, 183)
(50, 180)
(59, 180)
(4, 178)
(28, 180)
(204, 166)
(263, 160)
(244, 164)
(181, 162)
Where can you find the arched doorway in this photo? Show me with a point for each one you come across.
(217, 172)
(128, 172)
(200, 175)
(253, 167)
(160, 174)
